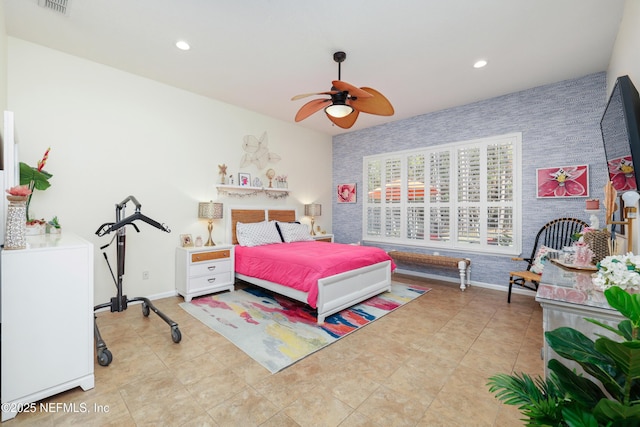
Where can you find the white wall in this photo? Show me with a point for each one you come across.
(625, 59)
(113, 134)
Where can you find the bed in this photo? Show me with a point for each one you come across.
(329, 293)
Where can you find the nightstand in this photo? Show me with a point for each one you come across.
(204, 270)
(323, 238)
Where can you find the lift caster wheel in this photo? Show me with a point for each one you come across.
(145, 310)
(176, 336)
(105, 357)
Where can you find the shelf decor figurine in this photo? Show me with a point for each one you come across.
(16, 233)
(222, 171)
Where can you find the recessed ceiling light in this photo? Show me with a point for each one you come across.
(479, 64)
(182, 45)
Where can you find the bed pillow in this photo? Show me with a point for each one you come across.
(257, 233)
(292, 232)
(280, 231)
(541, 257)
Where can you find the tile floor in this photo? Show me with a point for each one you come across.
(425, 364)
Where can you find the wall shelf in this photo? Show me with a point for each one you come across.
(237, 191)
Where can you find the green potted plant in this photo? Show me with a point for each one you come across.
(566, 398)
(53, 226)
(36, 178)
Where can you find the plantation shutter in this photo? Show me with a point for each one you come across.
(373, 216)
(500, 170)
(416, 194)
(461, 196)
(393, 177)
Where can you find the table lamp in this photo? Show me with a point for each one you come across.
(313, 210)
(210, 211)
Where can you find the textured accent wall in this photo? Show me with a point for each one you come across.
(560, 125)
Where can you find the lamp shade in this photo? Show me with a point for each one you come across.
(313, 209)
(630, 198)
(209, 210)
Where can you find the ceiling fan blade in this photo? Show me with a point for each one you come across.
(377, 104)
(304, 95)
(353, 91)
(345, 122)
(311, 107)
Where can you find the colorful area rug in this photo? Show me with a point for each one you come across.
(277, 331)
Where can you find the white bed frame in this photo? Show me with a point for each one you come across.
(335, 293)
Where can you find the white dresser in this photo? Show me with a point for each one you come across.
(47, 320)
(204, 270)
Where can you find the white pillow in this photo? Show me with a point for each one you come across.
(257, 233)
(292, 232)
(540, 259)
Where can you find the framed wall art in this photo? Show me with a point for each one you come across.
(564, 181)
(244, 179)
(346, 193)
(621, 173)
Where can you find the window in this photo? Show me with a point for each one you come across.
(461, 196)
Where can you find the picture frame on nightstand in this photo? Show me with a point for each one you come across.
(186, 241)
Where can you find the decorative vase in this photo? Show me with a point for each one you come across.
(15, 237)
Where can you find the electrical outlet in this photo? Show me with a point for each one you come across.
(145, 275)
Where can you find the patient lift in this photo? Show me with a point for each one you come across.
(120, 301)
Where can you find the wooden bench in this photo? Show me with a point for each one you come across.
(462, 264)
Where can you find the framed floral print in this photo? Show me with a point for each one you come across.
(565, 181)
(346, 193)
(621, 173)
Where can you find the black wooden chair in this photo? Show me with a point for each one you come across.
(555, 234)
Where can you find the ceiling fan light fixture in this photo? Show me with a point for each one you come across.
(182, 45)
(339, 110)
(480, 63)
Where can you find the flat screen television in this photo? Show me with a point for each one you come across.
(620, 127)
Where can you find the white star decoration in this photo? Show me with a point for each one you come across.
(256, 151)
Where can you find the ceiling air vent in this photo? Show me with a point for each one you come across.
(60, 6)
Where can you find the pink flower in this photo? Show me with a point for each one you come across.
(563, 182)
(19, 190)
(42, 162)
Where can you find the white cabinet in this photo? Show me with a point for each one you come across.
(204, 270)
(47, 319)
(568, 297)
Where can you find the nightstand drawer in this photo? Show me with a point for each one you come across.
(209, 268)
(207, 256)
(205, 282)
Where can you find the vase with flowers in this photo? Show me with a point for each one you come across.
(35, 178)
(618, 270)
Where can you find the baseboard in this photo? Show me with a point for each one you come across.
(167, 294)
(456, 280)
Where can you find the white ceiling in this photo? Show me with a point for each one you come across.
(257, 54)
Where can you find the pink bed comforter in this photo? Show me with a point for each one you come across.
(299, 265)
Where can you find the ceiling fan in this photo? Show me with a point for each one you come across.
(346, 101)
